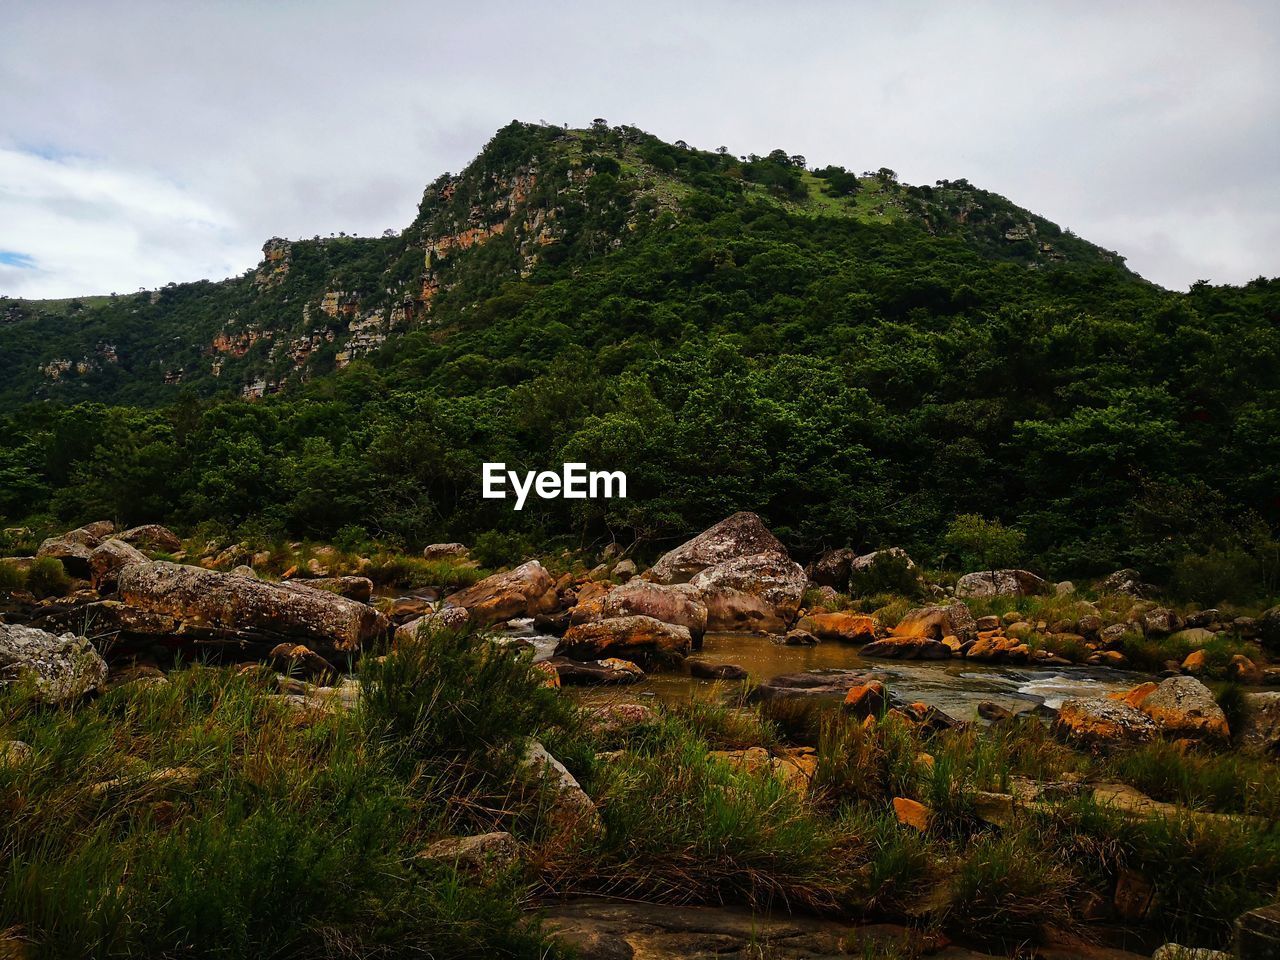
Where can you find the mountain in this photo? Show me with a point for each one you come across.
(538, 203)
(857, 360)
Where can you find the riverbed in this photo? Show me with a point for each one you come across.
(955, 686)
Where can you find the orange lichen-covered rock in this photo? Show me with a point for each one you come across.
(911, 813)
(849, 627)
(866, 699)
(1100, 722)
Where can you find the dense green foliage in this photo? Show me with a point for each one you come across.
(857, 360)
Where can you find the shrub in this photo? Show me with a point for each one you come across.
(47, 577)
(889, 573)
(1010, 883)
(12, 577)
(682, 826)
(496, 549)
(1217, 576)
(982, 544)
(454, 703)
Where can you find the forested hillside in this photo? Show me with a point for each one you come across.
(857, 360)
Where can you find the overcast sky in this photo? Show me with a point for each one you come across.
(145, 142)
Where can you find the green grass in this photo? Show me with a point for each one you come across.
(681, 827)
(1151, 652)
(292, 835)
(400, 570)
(12, 577)
(1224, 783)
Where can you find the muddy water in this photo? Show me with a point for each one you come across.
(953, 686)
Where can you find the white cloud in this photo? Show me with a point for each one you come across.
(1149, 127)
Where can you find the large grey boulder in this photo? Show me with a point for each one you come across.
(526, 591)
(756, 593)
(212, 605)
(60, 669)
(741, 535)
(1002, 583)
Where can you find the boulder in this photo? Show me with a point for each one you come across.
(1192, 636)
(526, 591)
(679, 604)
(449, 618)
(1127, 582)
(446, 551)
(907, 648)
(810, 685)
(1183, 707)
(299, 660)
(832, 569)
(936, 622)
(152, 536)
(1001, 583)
(74, 547)
(624, 570)
(1261, 733)
(483, 854)
(610, 671)
(218, 606)
(800, 638)
(1176, 951)
(60, 669)
(741, 535)
(353, 588)
(1160, 621)
(632, 638)
(911, 813)
(759, 592)
(1257, 934)
(867, 699)
(1267, 628)
(1098, 722)
(849, 627)
(705, 670)
(867, 561)
(1243, 670)
(572, 813)
(107, 559)
(795, 767)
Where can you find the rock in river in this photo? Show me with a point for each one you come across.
(526, 591)
(631, 638)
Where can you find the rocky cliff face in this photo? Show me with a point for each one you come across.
(536, 196)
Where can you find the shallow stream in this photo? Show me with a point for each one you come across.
(954, 686)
